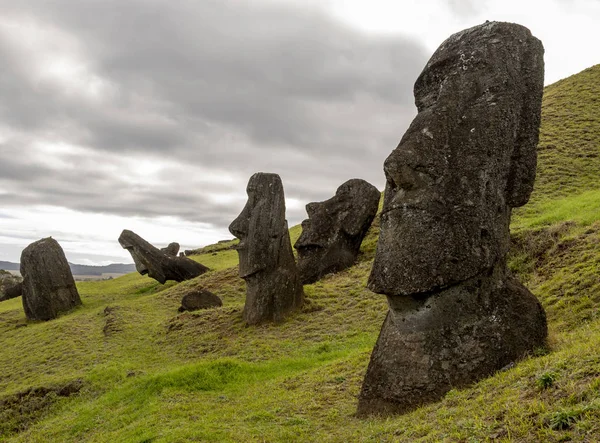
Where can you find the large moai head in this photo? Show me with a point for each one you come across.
(266, 261)
(334, 230)
(468, 157)
(261, 225)
(48, 285)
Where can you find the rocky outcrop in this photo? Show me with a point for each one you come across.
(265, 252)
(48, 285)
(199, 299)
(455, 313)
(335, 228)
(158, 264)
(11, 286)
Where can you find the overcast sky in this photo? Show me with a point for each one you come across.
(151, 115)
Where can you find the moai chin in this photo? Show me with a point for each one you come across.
(455, 313)
(335, 228)
(265, 252)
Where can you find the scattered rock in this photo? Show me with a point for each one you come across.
(156, 263)
(199, 299)
(10, 285)
(48, 285)
(456, 315)
(332, 234)
(267, 263)
(171, 249)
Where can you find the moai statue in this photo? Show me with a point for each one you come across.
(456, 314)
(334, 230)
(48, 285)
(171, 249)
(159, 264)
(266, 260)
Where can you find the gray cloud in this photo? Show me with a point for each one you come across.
(214, 85)
(467, 8)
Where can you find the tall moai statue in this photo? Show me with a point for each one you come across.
(456, 314)
(48, 285)
(335, 228)
(266, 260)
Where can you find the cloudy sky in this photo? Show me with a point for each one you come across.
(151, 115)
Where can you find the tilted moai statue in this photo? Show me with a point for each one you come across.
(266, 260)
(48, 285)
(455, 313)
(334, 230)
(159, 264)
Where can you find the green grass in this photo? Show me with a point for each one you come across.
(151, 374)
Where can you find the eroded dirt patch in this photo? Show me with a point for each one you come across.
(19, 411)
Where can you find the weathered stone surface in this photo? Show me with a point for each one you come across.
(10, 285)
(334, 230)
(156, 263)
(467, 159)
(266, 260)
(171, 249)
(199, 299)
(48, 285)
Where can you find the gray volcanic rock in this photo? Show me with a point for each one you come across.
(13, 291)
(335, 228)
(266, 260)
(171, 249)
(156, 263)
(199, 299)
(48, 285)
(467, 159)
(11, 286)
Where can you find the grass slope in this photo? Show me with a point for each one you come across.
(145, 373)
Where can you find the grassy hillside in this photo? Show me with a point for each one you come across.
(127, 367)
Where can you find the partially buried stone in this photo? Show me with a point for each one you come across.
(335, 228)
(456, 314)
(48, 284)
(158, 264)
(267, 264)
(171, 249)
(199, 299)
(10, 285)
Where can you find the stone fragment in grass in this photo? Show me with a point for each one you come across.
(158, 264)
(199, 299)
(48, 284)
(456, 315)
(335, 228)
(267, 263)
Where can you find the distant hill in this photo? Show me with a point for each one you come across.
(113, 268)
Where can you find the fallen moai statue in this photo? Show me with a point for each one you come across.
(158, 264)
(456, 314)
(335, 228)
(48, 284)
(266, 260)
